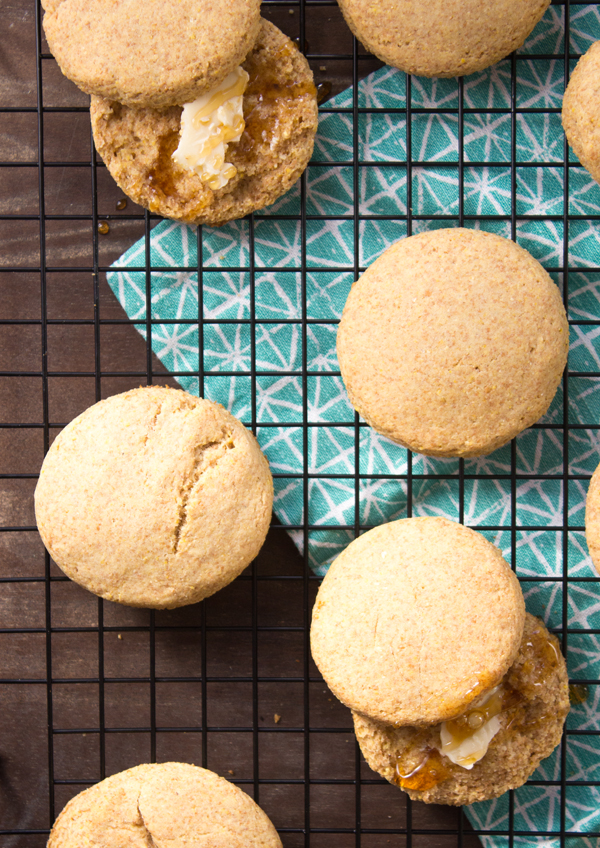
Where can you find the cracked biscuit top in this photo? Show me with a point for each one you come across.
(160, 805)
(415, 620)
(453, 342)
(154, 498)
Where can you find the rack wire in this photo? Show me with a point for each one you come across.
(89, 688)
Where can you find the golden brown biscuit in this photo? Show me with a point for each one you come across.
(592, 518)
(415, 619)
(534, 710)
(442, 38)
(581, 111)
(453, 342)
(154, 498)
(150, 53)
(166, 804)
(280, 111)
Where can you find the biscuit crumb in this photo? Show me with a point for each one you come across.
(119, 636)
(230, 771)
(276, 718)
(322, 67)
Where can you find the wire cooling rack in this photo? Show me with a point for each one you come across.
(89, 688)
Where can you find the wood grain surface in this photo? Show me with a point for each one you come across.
(87, 697)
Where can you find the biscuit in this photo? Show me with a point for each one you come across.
(453, 342)
(149, 53)
(163, 804)
(154, 498)
(531, 728)
(414, 619)
(581, 111)
(443, 38)
(280, 112)
(592, 518)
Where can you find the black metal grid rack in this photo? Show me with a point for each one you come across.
(88, 688)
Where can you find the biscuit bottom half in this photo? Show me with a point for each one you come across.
(535, 705)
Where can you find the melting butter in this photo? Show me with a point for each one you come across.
(465, 740)
(208, 125)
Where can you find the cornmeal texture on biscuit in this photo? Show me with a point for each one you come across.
(154, 498)
(453, 342)
(280, 112)
(415, 619)
(592, 518)
(150, 53)
(581, 111)
(442, 38)
(530, 731)
(166, 804)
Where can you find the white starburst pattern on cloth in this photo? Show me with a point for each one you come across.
(257, 324)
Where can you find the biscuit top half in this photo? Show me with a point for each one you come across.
(442, 38)
(415, 619)
(467, 341)
(166, 805)
(154, 498)
(150, 52)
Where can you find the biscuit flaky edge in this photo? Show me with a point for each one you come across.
(592, 518)
(581, 111)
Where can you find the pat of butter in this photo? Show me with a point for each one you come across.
(468, 744)
(208, 125)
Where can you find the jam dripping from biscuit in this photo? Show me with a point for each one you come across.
(420, 774)
(422, 767)
(578, 693)
(162, 179)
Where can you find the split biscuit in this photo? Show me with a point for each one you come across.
(442, 38)
(453, 342)
(415, 619)
(154, 498)
(280, 114)
(160, 805)
(532, 718)
(149, 53)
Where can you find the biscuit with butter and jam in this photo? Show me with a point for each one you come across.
(457, 694)
(233, 150)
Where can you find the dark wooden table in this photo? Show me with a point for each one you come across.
(88, 688)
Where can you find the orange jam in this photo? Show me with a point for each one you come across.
(425, 775)
(578, 693)
(421, 767)
(504, 698)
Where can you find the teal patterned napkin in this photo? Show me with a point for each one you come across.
(276, 305)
